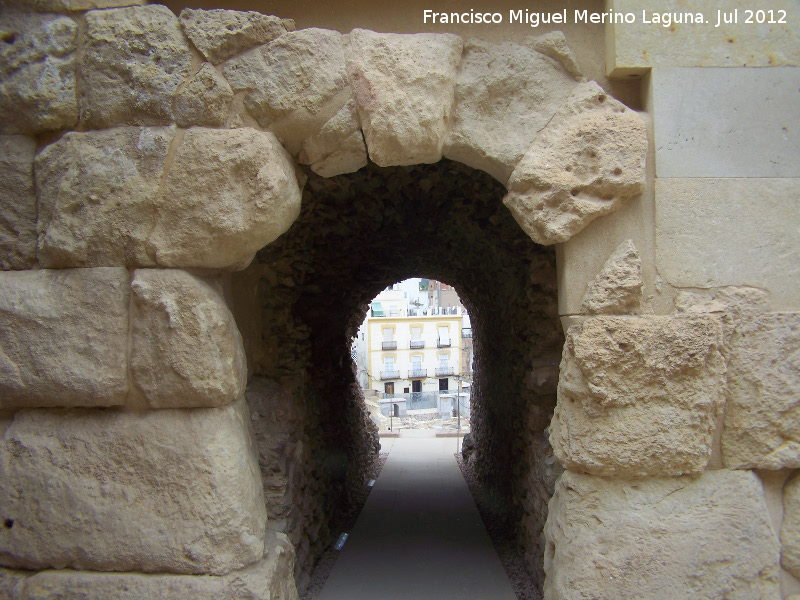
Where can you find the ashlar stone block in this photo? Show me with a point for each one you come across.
(133, 61)
(228, 194)
(220, 34)
(703, 538)
(105, 200)
(272, 578)
(18, 199)
(504, 96)
(175, 491)
(583, 165)
(63, 337)
(186, 350)
(37, 72)
(762, 415)
(790, 529)
(404, 86)
(639, 396)
(294, 84)
(97, 196)
(204, 100)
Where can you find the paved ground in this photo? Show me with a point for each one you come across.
(419, 535)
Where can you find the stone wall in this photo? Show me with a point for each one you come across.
(197, 209)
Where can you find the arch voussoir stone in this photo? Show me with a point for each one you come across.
(585, 164)
(404, 87)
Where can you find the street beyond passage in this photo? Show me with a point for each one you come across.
(419, 535)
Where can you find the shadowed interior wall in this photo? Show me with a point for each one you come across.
(356, 235)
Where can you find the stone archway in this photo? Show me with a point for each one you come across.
(146, 181)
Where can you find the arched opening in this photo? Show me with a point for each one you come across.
(302, 300)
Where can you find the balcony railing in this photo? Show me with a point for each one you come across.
(393, 374)
(389, 345)
(417, 373)
(444, 342)
(444, 371)
(416, 344)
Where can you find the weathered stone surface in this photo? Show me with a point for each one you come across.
(702, 538)
(504, 96)
(638, 396)
(583, 165)
(294, 84)
(97, 196)
(277, 427)
(133, 61)
(404, 86)
(204, 100)
(617, 288)
(228, 194)
(63, 337)
(220, 34)
(269, 579)
(163, 491)
(790, 529)
(554, 45)
(338, 147)
(37, 72)
(754, 242)
(186, 350)
(762, 416)
(11, 583)
(18, 199)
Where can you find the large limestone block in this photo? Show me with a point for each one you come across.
(762, 416)
(749, 132)
(702, 538)
(404, 86)
(18, 199)
(294, 84)
(617, 288)
(163, 491)
(63, 337)
(583, 165)
(97, 196)
(133, 61)
(754, 240)
(185, 348)
(204, 100)
(790, 529)
(11, 583)
(272, 578)
(504, 96)
(228, 194)
(633, 48)
(638, 396)
(338, 147)
(37, 72)
(220, 34)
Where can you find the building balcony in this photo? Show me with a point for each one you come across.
(392, 374)
(444, 342)
(417, 373)
(389, 345)
(445, 371)
(416, 344)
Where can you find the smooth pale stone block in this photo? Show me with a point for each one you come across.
(726, 122)
(720, 232)
(632, 48)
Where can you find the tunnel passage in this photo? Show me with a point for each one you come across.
(303, 298)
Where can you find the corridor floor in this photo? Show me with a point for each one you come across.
(419, 535)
